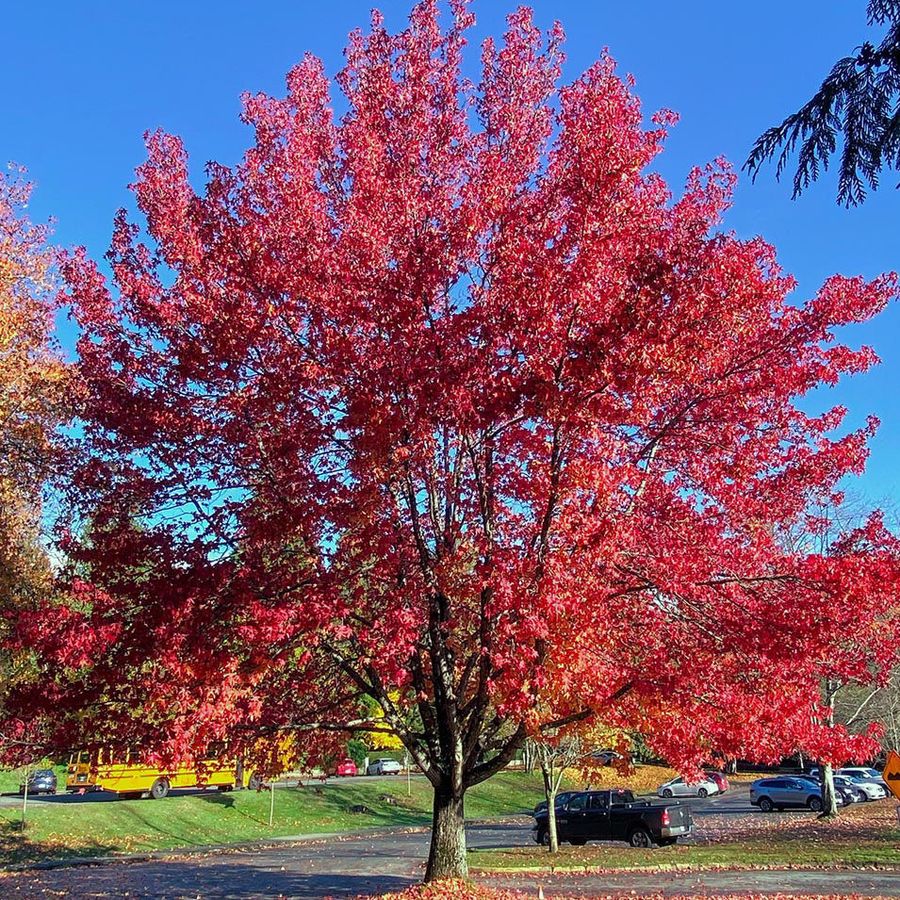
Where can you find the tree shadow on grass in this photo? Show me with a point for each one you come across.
(226, 801)
(17, 847)
(332, 809)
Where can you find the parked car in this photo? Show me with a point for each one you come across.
(615, 816)
(562, 798)
(385, 766)
(346, 768)
(788, 791)
(873, 790)
(678, 787)
(853, 793)
(605, 757)
(40, 781)
(719, 778)
(869, 790)
(865, 773)
(861, 773)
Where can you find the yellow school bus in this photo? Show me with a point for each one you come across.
(132, 778)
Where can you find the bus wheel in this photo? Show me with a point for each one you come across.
(160, 788)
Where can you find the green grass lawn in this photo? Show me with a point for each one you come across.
(817, 844)
(57, 830)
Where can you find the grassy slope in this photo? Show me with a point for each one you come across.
(64, 829)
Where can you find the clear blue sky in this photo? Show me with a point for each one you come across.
(83, 81)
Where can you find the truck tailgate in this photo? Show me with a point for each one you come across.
(680, 815)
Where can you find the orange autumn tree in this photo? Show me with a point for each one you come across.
(31, 393)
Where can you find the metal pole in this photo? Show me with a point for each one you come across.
(271, 802)
(25, 799)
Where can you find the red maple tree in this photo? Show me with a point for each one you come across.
(448, 402)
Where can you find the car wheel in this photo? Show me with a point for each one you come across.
(544, 837)
(159, 788)
(667, 793)
(765, 804)
(815, 804)
(702, 792)
(640, 837)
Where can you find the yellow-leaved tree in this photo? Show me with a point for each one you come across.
(382, 737)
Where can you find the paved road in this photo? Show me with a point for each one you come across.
(379, 862)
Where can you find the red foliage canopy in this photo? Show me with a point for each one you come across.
(450, 402)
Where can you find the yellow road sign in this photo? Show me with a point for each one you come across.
(891, 774)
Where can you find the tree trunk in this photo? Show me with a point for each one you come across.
(829, 798)
(550, 795)
(551, 825)
(826, 771)
(447, 854)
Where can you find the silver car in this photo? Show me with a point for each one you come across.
(788, 791)
(678, 787)
(867, 779)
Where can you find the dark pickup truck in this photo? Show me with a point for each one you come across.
(615, 816)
